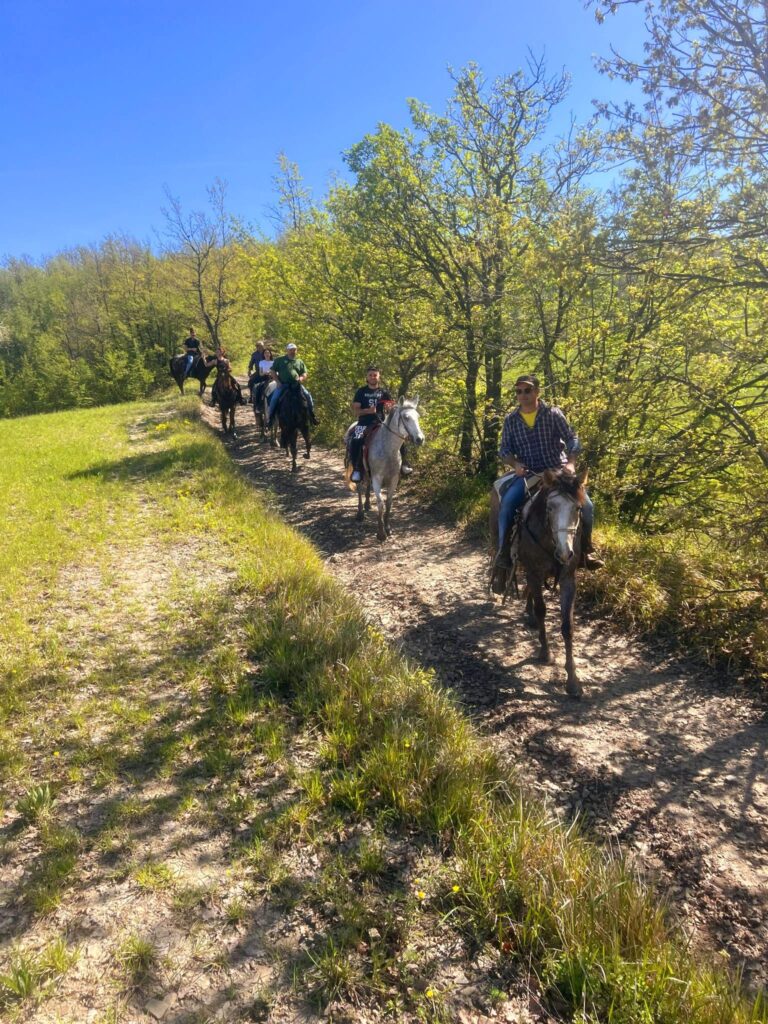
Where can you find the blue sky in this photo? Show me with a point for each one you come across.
(105, 103)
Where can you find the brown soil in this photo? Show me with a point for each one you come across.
(661, 758)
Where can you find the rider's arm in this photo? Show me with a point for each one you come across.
(570, 440)
(507, 453)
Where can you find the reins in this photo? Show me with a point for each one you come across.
(408, 435)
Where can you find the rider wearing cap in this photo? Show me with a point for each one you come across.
(536, 436)
(289, 369)
(368, 404)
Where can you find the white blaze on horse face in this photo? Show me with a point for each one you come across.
(564, 521)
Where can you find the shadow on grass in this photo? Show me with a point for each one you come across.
(193, 455)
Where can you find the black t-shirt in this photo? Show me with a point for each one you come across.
(369, 398)
(192, 345)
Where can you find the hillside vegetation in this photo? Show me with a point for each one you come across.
(224, 794)
(471, 247)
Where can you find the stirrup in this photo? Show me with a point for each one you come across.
(406, 470)
(591, 561)
(503, 559)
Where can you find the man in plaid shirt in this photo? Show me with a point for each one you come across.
(536, 437)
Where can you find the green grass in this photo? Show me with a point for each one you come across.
(170, 668)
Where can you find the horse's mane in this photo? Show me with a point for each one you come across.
(567, 482)
(408, 403)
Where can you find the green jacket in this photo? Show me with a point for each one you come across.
(288, 369)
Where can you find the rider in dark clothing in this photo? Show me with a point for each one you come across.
(256, 358)
(191, 350)
(368, 403)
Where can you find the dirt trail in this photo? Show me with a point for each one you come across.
(661, 758)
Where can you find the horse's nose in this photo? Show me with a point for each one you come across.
(420, 441)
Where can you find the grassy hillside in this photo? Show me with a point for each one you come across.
(224, 797)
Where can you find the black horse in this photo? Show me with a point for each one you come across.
(199, 372)
(293, 416)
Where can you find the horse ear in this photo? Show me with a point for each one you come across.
(415, 401)
(548, 477)
(400, 401)
(583, 476)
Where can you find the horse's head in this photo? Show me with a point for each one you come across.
(405, 420)
(565, 497)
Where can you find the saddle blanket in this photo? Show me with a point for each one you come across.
(503, 484)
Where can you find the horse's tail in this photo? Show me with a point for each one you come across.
(348, 471)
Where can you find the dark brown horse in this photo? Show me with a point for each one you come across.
(199, 372)
(549, 548)
(228, 395)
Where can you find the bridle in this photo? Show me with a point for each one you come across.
(407, 436)
(549, 530)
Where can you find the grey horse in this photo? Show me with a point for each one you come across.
(549, 546)
(383, 469)
(261, 411)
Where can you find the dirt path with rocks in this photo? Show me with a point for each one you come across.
(660, 758)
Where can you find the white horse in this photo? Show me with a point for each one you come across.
(384, 461)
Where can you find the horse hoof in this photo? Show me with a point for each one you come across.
(530, 621)
(306, 455)
(360, 517)
(574, 689)
(547, 658)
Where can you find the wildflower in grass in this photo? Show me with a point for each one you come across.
(456, 888)
(421, 894)
(430, 993)
(56, 753)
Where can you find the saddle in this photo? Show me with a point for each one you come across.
(504, 579)
(369, 433)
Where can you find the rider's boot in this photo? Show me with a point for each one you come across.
(589, 560)
(501, 566)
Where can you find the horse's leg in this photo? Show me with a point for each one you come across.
(391, 488)
(381, 532)
(293, 447)
(307, 443)
(567, 600)
(368, 492)
(537, 594)
(360, 513)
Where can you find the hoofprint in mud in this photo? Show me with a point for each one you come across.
(662, 757)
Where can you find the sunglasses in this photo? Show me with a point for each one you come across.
(523, 391)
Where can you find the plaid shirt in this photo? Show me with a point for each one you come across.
(546, 446)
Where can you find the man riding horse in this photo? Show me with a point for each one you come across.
(536, 437)
(289, 369)
(192, 351)
(369, 405)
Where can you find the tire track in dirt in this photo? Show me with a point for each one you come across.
(660, 757)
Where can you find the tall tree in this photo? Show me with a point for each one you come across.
(453, 196)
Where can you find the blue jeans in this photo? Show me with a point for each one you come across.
(514, 499)
(279, 390)
(188, 365)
